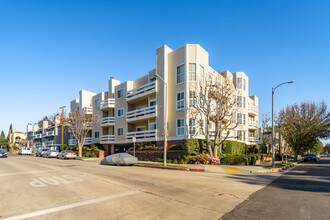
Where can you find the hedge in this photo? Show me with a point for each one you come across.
(234, 148)
(234, 160)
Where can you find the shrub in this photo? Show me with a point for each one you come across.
(190, 159)
(63, 147)
(191, 146)
(175, 161)
(159, 160)
(234, 160)
(168, 161)
(92, 155)
(233, 148)
(207, 159)
(182, 161)
(146, 159)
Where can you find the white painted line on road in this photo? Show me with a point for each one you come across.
(70, 206)
(26, 172)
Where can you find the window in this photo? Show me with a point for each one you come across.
(192, 98)
(120, 93)
(97, 134)
(180, 127)
(244, 119)
(180, 100)
(239, 135)
(180, 74)
(244, 84)
(192, 71)
(120, 131)
(239, 101)
(239, 83)
(152, 103)
(243, 102)
(153, 79)
(120, 112)
(192, 126)
(152, 126)
(239, 118)
(201, 73)
(97, 102)
(142, 128)
(201, 126)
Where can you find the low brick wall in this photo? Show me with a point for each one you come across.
(152, 155)
(99, 153)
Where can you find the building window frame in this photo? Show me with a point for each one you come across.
(192, 98)
(120, 112)
(180, 100)
(97, 102)
(192, 72)
(180, 74)
(180, 127)
(120, 133)
(120, 93)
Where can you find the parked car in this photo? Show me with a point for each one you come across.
(318, 156)
(67, 154)
(309, 157)
(3, 153)
(40, 152)
(119, 159)
(50, 153)
(25, 151)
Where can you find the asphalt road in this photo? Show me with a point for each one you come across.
(41, 188)
(302, 193)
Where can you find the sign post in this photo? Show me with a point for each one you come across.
(134, 140)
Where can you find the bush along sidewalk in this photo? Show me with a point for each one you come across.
(278, 167)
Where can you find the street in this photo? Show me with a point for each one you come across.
(302, 193)
(41, 188)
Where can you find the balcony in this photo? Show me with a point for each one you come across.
(252, 125)
(143, 113)
(36, 136)
(49, 133)
(252, 110)
(107, 103)
(50, 143)
(147, 135)
(108, 121)
(87, 110)
(88, 141)
(141, 91)
(253, 139)
(106, 139)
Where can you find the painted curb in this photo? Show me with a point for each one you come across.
(275, 170)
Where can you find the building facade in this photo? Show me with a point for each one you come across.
(136, 109)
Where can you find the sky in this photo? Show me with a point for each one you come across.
(49, 50)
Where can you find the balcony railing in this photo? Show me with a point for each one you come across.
(252, 139)
(50, 143)
(106, 139)
(49, 133)
(142, 113)
(252, 124)
(142, 135)
(87, 110)
(141, 91)
(37, 136)
(108, 103)
(108, 121)
(252, 110)
(88, 141)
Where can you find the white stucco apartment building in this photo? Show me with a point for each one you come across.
(136, 108)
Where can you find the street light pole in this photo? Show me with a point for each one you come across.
(165, 119)
(273, 129)
(62, 123)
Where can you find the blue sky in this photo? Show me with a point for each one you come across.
(49, 50)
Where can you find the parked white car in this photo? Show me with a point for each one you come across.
(25, 151)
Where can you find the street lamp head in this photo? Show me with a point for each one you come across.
(290, 82)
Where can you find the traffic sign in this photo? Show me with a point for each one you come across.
(134, 139)
(268, 132)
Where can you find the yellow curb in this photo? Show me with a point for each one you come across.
(232, 170)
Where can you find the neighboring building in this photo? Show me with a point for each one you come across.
(47, 136)
(136, 108)
(18, 136)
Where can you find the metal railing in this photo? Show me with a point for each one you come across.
(88, 141)
(49, 133)
(108, 121)
(87, 110)
(105, 139)
(141, 91)
(253, 124)
(107, 103)
(252, 139)
(147, 134)
(142, 113)
(37, 136)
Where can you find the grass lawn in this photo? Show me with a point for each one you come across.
(279, 165)
(158, 165)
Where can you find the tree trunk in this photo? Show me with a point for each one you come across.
(296, 154)
(80, 150)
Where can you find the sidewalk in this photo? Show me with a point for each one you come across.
(226, 168)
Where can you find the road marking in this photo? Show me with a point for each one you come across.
(70, 206)
(19, 173)
(232, 170)
(43, 181)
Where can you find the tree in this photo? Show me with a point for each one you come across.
(3, 140)
(79, 125)
(316, 147)
(303, 124)
(10, 131)
(46, 118)
(265, 119)
(327, 149)
(215, 100)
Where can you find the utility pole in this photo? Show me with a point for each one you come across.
(62, 129)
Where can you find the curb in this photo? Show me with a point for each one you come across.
(172, 168)
(275, 170)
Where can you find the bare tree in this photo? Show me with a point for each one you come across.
(215, 100)
(303, 124)
(79, 125)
